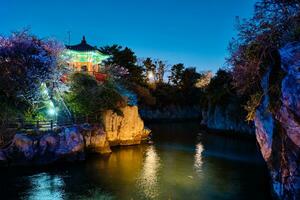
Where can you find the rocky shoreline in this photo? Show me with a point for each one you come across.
(227, 118)
(75, 142)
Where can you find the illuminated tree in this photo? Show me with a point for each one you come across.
(87, 96)
(150, 68)
(25, 63)
(204, 79)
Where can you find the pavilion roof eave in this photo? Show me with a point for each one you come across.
(94, 56)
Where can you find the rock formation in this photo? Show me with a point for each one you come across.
(96, 140)
(67, 145)
(278, 133)
(227, 117)
(127, 129)
(72, 143)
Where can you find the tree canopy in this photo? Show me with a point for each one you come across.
(25, 63)
(126, 58)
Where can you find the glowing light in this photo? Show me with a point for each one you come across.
(150, 76)
(46, 186)
(44, 89)
(198, 157)
(94, 57)
(45, 92)
(51, 104)
(51, 111)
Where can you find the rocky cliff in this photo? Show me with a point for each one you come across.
(72, 143)
(127, 129)
(278, 133)
(226, 117)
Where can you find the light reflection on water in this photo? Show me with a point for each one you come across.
(181, 164)
(148, 180)
(198, 157)
(45, 186)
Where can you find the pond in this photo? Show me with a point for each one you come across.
(184, 162)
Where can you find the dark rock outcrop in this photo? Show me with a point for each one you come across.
(278, 133)
(67, 145)
(227, 118)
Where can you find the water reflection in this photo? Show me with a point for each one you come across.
(148, 180)
(181, 164)
(46, 186)
(198, 158)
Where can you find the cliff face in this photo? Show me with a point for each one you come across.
(124, 130)
(278, 134)
(227, 117)
(96, 140)
(72, 143)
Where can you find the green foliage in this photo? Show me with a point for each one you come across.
(26, 62)
(252, 104)
(220, 90)
(160, 72)
(150, 67)
(176, 74)
(34, 114)
(87, 96)
(189, 78)
(145, 98)
(167, 95)
(126, 58)
(157, 68)
(8, 112)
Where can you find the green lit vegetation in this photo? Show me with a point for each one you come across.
(87, 96)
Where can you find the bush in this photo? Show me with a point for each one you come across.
(87, 96)
(144, 95)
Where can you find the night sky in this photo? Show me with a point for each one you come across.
(194, 32)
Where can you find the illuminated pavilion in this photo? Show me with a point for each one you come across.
(85, 58)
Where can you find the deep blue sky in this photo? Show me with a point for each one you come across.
(194, 32)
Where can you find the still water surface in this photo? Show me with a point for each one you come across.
(184, 162)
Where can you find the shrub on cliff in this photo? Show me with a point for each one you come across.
(87, 96)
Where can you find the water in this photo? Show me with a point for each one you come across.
(183, 163)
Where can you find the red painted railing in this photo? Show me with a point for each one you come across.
(98, 76)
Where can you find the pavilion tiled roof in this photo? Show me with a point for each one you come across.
(83, 46)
